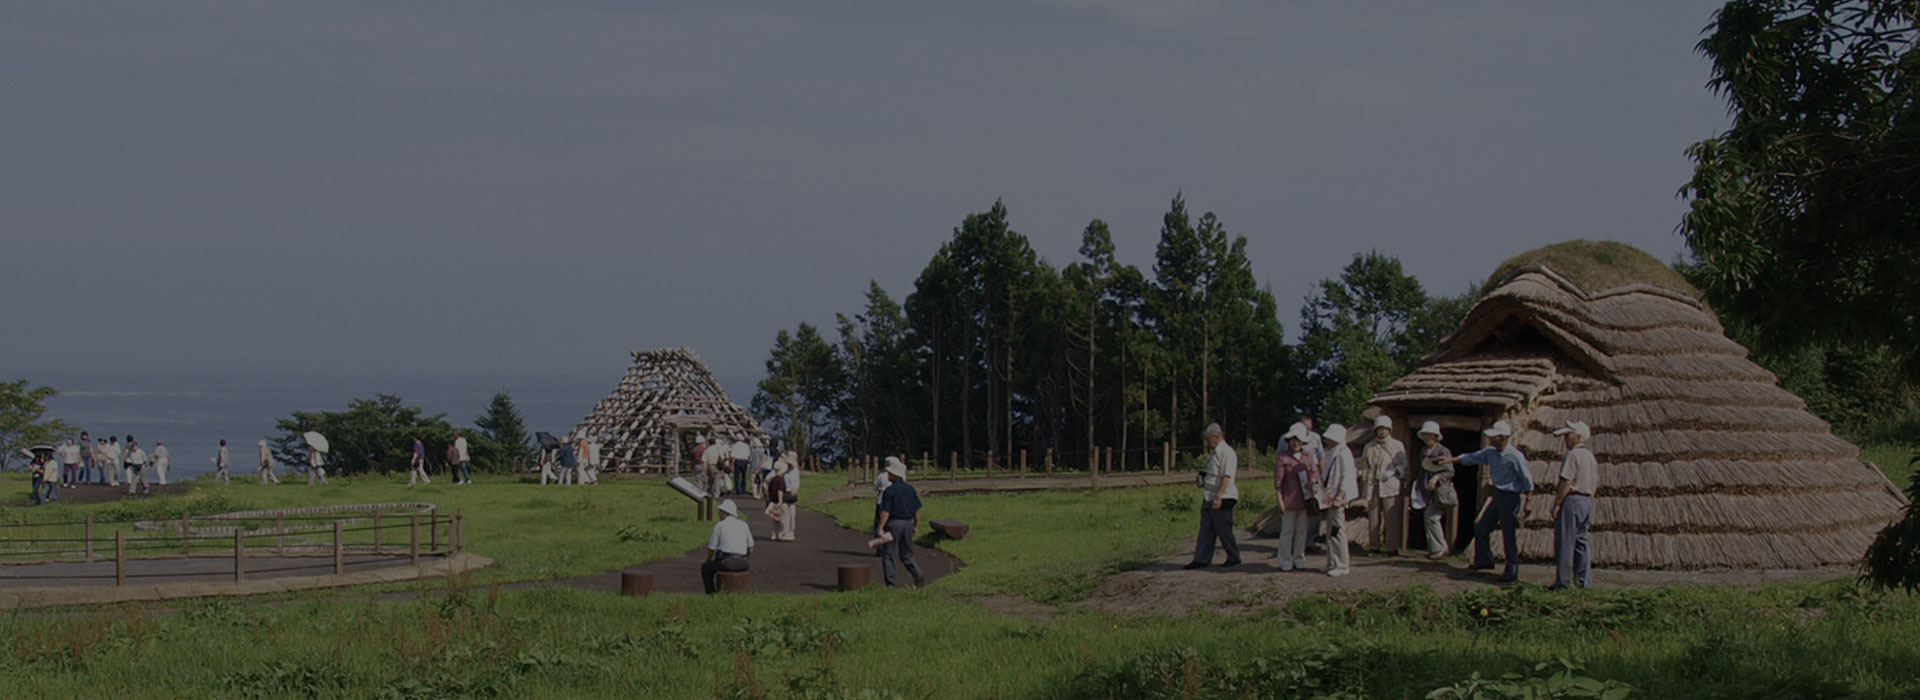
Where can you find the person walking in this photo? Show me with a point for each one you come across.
(880, 483)
(87, 453)
(41, 465)
(742, 472)
(727, 548)
(1339, 487)
(316, 465)
(1433, 492)
(777, 507)
(1315, 521)
(789, 498)
(899, 517)
(758, 462)
(1507, 469)
(1385, 461)
(116, 459)
(1219, 493)
(417, 464)
(162, 460)
(266, 464)
(463, 460)
(1573, 509)
(220, 461)
(69, 454)
(1294, 474)
(136, 465)
(581, 460)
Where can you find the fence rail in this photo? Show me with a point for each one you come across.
(376, 529)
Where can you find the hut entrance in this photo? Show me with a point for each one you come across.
(1460, 433)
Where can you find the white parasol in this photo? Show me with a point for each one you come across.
(315, 440)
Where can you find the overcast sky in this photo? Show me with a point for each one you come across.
(543, 186)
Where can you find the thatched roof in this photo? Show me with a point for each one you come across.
(1705, 462)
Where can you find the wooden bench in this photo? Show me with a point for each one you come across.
(734, 581)
(950, 529)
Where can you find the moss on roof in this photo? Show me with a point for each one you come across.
(1598, 266)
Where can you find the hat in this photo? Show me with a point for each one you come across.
(1298, 431)
(1212, 430)
(1577, 428)
(729, 508)
(896, 467)
(1500, 428)
(1383, 422)
(1336, 433)
(1430, 428)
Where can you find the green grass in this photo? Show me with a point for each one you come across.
(1789, 640)
(530, 532)
(1895, 460)
(1599, 265)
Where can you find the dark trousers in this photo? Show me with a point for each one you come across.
(902, 548)
(1216, 524)
(742, 477)
(1503, 511)
(38, 497)
(709, 571)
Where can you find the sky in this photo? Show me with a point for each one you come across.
(374, 188)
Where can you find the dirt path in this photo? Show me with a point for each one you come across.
(1166, 589)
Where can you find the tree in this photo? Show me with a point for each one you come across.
(802, 384)
(503, 425)
(21, 407)
(1893, 560)
(1801, 215)
(1365, 329)
(376, 435)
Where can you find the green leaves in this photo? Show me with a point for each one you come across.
(21, 406)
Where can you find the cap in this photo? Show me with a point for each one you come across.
(1430, 428)
(1212, 430)
(729, 508)
(1500, 428)
(1577, 428)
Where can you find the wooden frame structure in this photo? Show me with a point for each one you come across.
(665, 394)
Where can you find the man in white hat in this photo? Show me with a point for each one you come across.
(1507, 469)
(136, 461)
(1573, 509)
(728, 547)
(1339, 487)
(1385, 462)
(1433, 492)
(899, 517)
(1219, 493)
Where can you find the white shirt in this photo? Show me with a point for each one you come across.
(70, 454)
(161, 457)
(741, 451)
(1386, 465)
(221, 460)
(112, 451)
(880, 484)
(137, 457)
(1581, 470)
(460, 449)
(266, 456)
(1339, 480)
(731, 536)
(1223, 466)
(793, 480)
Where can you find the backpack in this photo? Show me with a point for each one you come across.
(453, 455)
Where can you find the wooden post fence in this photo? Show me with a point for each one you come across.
(120, 557)
(413, 539)
(460, 530)
(186, 533)
(953, 466)
(280, 535)
(1049, 461)
(1166, 458)
(376, 532)
(433, 529)
(339, 550)
(1023, 463)
(239, 554)
(989, 464)
(89, 537)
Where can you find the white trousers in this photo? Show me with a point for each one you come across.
(266, 475)
(788, 513)
(1293, 537)
(1336, 538)
(418, 473)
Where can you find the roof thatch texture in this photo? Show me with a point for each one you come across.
(664, 392)
(1705, 462)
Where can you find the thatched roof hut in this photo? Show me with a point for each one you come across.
(1705, 461)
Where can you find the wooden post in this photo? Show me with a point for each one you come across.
(1109, 468)
(1166, 458)
(460, 530)
(926, 463)
(953, 466)
(433, 529)
(1023, 463)
(339, 550)
(119, 557)
(376, 532)
(186, 530)
(1049, 461)
(89, 537)
(280, 532)
(239, 554)
(413, 539)
(989, 464)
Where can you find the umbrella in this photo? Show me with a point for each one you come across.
(28, 452)
(547, 440)
(315, 440)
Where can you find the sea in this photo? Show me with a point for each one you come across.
(191, 412)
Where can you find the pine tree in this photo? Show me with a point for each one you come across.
(503, 425)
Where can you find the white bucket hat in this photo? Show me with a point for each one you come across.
(1500, 428)
(1298, 431)
(896, 467)
(1383, 422)
(729, 508)
(1335, 433)
(1430, 428)
(1577, 428)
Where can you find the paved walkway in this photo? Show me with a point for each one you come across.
(933, 484)
(810, 564)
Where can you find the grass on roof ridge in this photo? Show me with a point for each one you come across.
(1599, 265)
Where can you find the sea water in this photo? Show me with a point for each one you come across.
(191, 412)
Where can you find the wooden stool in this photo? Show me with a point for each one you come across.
(854, 577)
(635, 583)
(734, 581)
(950, 529)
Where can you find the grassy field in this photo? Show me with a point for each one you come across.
(1800, 640)
(1895, 460)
